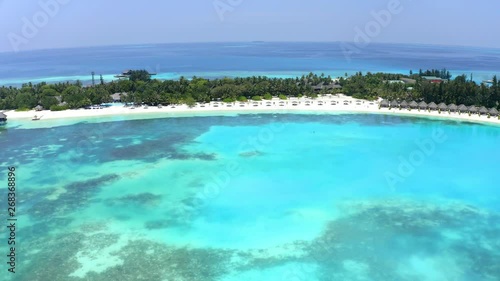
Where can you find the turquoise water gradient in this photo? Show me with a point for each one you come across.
(256, 197)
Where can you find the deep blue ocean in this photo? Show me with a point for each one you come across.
(214, 60)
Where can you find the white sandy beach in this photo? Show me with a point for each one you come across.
(337, 103)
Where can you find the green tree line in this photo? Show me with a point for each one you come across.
(141, 89)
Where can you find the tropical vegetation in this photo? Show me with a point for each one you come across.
(141, 89)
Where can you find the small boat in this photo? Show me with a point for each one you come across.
(36, 118)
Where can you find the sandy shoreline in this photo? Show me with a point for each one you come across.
(324, 105)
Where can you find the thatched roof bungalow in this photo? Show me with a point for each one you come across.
(394, 103)
(452, 107)
(117, 97)
(493, 112)
(462, 108)
(384, 103)
(473, 109)
(442, 106)
(483, 111)
(422, 105)
(413, 104)
(432, 106)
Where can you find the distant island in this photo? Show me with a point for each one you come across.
(137, 87)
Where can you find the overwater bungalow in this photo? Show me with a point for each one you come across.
(423, 105)
(3, 117)
(432, 106)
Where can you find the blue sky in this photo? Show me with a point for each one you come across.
(78, 23)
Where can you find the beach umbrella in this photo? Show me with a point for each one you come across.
(483, 110)
(422, 105)
(463, 108)
(432, 106)
(404, 104)
(443, 106)
(493, 112)
(473, 109)
(413, 104)
(452, 107)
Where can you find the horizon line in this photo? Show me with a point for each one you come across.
(232, 42)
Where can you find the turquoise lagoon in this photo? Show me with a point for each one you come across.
(279, 196)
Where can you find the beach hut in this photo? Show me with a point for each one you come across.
(3, 117)
(452, 107)
(403, 104)
(432, 106)
(39, 108)
(473, 109)
(384, 103)
(462, 108)
(442, 107)
(422, 105)
(483, 111)
(393, 104)
(413, 104)
(493, 112)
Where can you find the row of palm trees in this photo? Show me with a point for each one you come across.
(442, 107)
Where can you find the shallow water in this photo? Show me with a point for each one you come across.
(257, 197)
